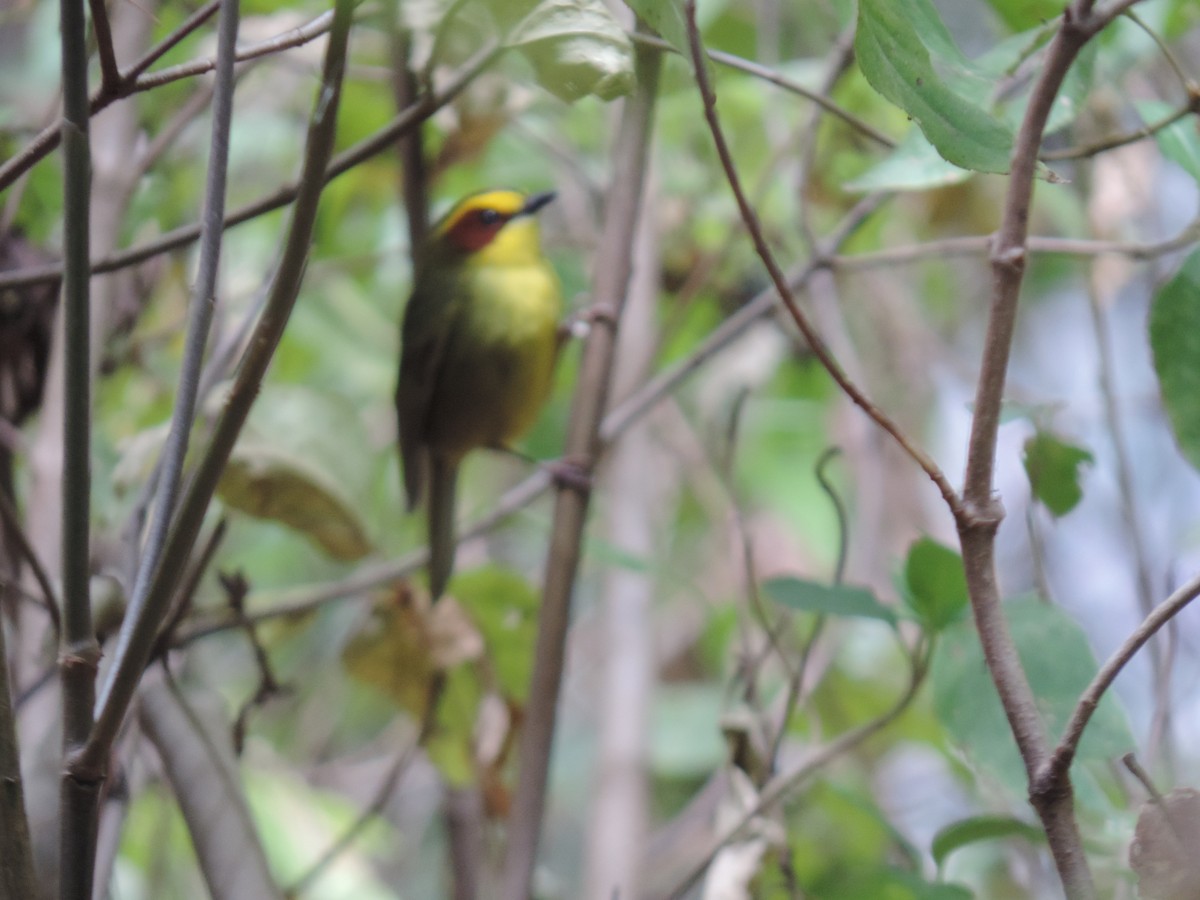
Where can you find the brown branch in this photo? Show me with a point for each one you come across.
(772, 77)
(613, 268)
(343, 162)
(1058, 764)
(48, 138)
(979, 517)
(110, 73)
(816, 343)
(295, 37)
(1095, 148)
(977, 245)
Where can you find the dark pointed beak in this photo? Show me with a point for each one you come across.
(536, 202)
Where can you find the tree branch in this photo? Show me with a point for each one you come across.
(979, 517)
(612, 272)
(1056, 767)
(49, 137)
(770, 76)
(17, 877)
(815, 342)
(110, 74)
(80, 653)
(200, 312)
(340, 164)
(138, 632)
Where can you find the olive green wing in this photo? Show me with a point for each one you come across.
(428, 322)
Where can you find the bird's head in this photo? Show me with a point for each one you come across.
(495, 227)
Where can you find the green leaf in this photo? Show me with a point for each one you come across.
(1021, 14)
(1175, 341)
(577, 48)
(893, 44)
(1179, 141)
(1054, 470)
(981, 828)
(891, 883)
(935, 585)
(836, 600)
(913, 165)
(1058, 662)
(504, 608)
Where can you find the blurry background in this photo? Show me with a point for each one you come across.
(693, 635)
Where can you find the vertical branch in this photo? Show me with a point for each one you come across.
(16, 873)
(80, 653)
(612, 272)
(200, 311)
(139, 632)
(979, 518)
(641, 480)
(410, 146)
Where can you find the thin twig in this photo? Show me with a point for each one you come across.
(1127, 493)
(1187, 83)
(1112, 142)
(781, 785)
(796, 682)
(48, 138)
(978, 245)
(770, 75)
(382, 795)
(295, 37)
(381, 140)
(1064, 753)
(186, 594)
(816, 343)
(49, 599)
(200, 312)
(1138, 771)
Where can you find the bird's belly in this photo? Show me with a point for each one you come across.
(494, 379)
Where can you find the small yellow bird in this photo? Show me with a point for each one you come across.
(480, 339)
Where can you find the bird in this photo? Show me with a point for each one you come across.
(479, 342)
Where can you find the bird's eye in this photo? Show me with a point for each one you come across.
(489, 217)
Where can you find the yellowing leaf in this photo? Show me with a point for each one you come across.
(302, 461)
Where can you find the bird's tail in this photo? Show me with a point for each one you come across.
(442, 537)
